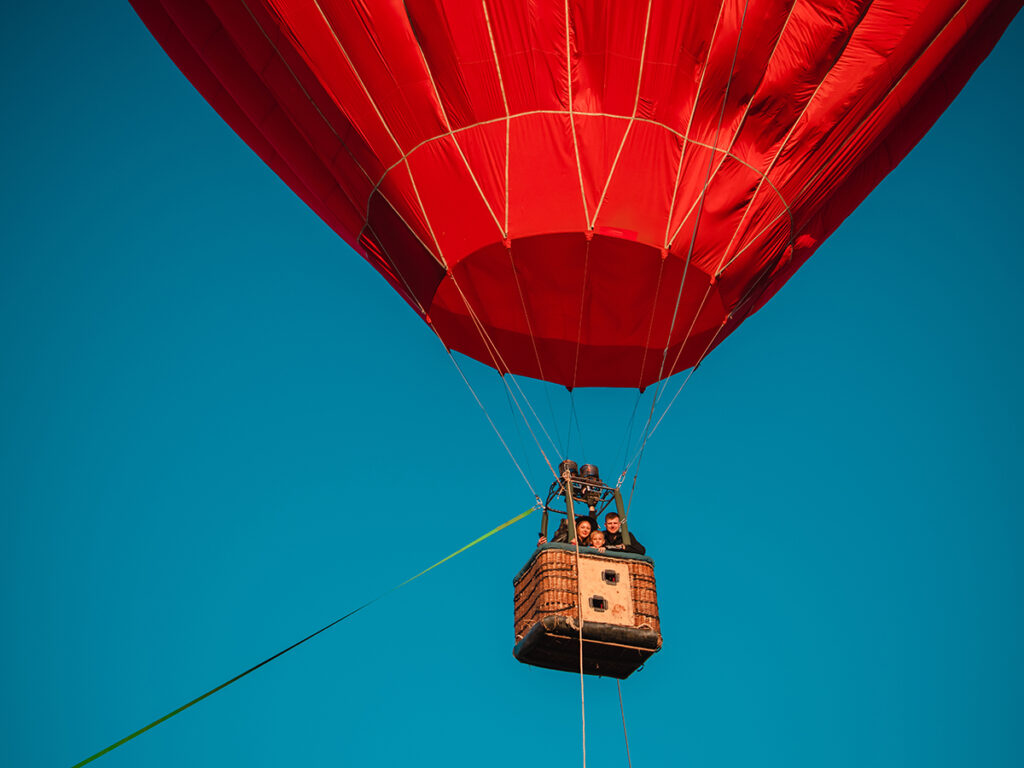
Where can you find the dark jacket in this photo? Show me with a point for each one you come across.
(614, 541)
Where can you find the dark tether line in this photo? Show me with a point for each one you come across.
(324, 628)
(212, 691)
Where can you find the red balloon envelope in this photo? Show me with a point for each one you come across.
(589, 193)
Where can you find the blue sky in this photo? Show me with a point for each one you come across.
(220, 429)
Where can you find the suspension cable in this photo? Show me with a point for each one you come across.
(576, 419)
(663, 383)
(307, 638)
(493, 426)
(579, 618)
(519, 434)
(625, 735)
(499, 364)
(533, 337)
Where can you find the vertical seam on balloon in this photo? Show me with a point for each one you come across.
(668, 224)
(632, 119)
(789, 134)
(579, 329)
(726, 154)
(689, 123)
(583, 196)
(504, 101)
(508, 248)
(700, 210)
(572, 119)
(448, 125)
(650, 325)
(344, 145)
(885, 98)
(384, 122)
(529, 328)
(693, 238)
(675, 312)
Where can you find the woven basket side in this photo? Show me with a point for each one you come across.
(645, 595)
(549, 587)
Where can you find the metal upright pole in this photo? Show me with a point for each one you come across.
(626, 538)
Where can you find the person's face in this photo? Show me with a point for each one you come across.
(612, 524)
(583, 528)
(597, 539)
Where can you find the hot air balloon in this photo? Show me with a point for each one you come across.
(593, 194)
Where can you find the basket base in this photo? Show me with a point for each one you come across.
(608, 650)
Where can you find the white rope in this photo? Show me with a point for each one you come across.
(359, 79)
(493, 426)
(650, 325)
(366, 225)
(309, 98)
(508, 247)
(455, 139)
(782, 147)
(579, 617)
(693, 238)
(504, 101)
(398, 272)
(632, 118)
(574, 419)
(851, 134)
(739, 127)
(499, 364)
(622, 709)
(572, 119)
(532, 112)
(822, 166)
(689, 123)
(689, 255)
(739, 308)
(647, 434)
(579, 326)
(533, 339)
(344, 146)
(452, 132)
(439, 256)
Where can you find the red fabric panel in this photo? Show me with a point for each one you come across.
(609, 191)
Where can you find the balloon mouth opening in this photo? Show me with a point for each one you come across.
(581, 311)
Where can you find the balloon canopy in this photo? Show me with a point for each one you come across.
(589, 193)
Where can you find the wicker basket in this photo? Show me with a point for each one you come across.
(620, 610)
